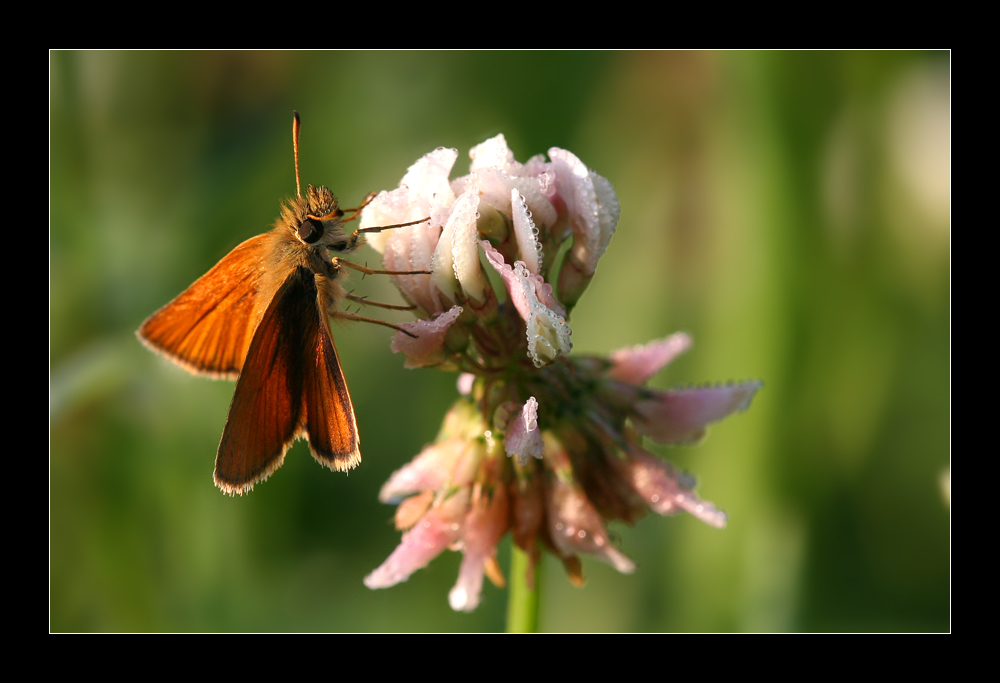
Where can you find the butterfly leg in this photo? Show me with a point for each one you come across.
(371, 271)
(363, 300)
(343, 315)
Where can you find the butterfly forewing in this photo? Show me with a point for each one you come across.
(279, 397)
(207, 328)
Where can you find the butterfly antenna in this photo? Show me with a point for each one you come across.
(296, 125)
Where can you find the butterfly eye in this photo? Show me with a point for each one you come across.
(310, 230)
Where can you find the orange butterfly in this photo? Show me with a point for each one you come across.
(261, 316)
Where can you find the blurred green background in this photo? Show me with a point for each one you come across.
(789, 210)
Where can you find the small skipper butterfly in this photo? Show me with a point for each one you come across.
(260, 316)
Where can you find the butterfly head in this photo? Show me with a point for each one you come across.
(317, 221)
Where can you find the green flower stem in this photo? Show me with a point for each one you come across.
(522, 605)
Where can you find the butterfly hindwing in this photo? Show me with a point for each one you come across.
(291, 385)
(266, 412)
(330, 423)
(208, 327)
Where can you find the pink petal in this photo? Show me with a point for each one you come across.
(548, 334)
(523, 438)
(666, 490)
(485, 524)
(428, 347)
(429, 471)
(465, 383)
(438, 529)
(681, 415)
(637, 364)
(575, 526)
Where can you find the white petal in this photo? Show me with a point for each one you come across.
(388, 208)
(592, 204)
(526, 233)
(457, 254)
(410, 249)
(493, 153)
(429, 174)
(465, 382)
(523, 438)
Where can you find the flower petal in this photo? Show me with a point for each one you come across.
(665, 490)
(429, 471)
(405, 249)
(681, 415)
(485, 524)
(492, 153)
(424, 185)
(547, 332)
(523, 437)
(592, 204)
(575, 526)
(637, 364)
(427, 348)
(525, 233)
(495, 186)
(465, 382)
(528, 517)
(410, 510)
(429, 174)
(440, 527)
(456, 256)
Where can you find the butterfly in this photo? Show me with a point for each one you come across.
(261, 316)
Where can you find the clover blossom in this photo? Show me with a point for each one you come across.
(541, 444)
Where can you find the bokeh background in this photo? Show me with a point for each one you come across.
(791, 211)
